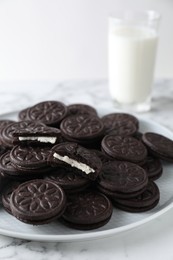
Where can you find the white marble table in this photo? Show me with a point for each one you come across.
(149, 241)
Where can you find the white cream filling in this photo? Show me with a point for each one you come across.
(81, 166)
(45, 139)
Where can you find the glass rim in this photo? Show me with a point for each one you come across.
(131, 15)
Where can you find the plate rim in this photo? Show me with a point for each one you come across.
(85, 236)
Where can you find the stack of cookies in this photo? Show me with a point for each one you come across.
(66, 163)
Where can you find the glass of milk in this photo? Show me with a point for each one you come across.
(132, 44)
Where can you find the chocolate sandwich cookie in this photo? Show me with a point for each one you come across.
(124, 148)
(23, 114)
(11, 172)
(82, 128)
(6, 194)
(87, 210)
(3, 124)
(49, 113)
(6, 166)
(69, 179)
(36, 132)
(78, 157)
(138, 135)
(29, 157)
(76, 109)
(4, 180)
(118, 195)
(38, 202)
(120, 124)
(6, 134)
(122, 179)
(3, 150)
(103, 157)
(159, 145)
(153, 167)
(143, 202)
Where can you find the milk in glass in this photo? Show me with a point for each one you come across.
(132, 52)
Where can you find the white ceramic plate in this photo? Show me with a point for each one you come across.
(120, 221)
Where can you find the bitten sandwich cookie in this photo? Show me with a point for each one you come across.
(74, 155)
(38, 133)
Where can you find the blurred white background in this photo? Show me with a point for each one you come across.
(67, 39)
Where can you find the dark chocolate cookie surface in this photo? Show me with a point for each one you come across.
(17, 172)
(48, 112)
(6, 165)
(4, 123)
(69, 179)
(153, 167)
(76, 109)
(29, 156)
(159, 145)
(120, 123)
(6, 194)
(87, 210)
(38, 201)
(124, 177)
(124, 148)
(23, 114)
(82, 128)
(103, 157)
(143, 202)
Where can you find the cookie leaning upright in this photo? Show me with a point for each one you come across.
(159, 145)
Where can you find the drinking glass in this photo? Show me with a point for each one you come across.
(132, 45)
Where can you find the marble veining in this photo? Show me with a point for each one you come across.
(150, 241)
